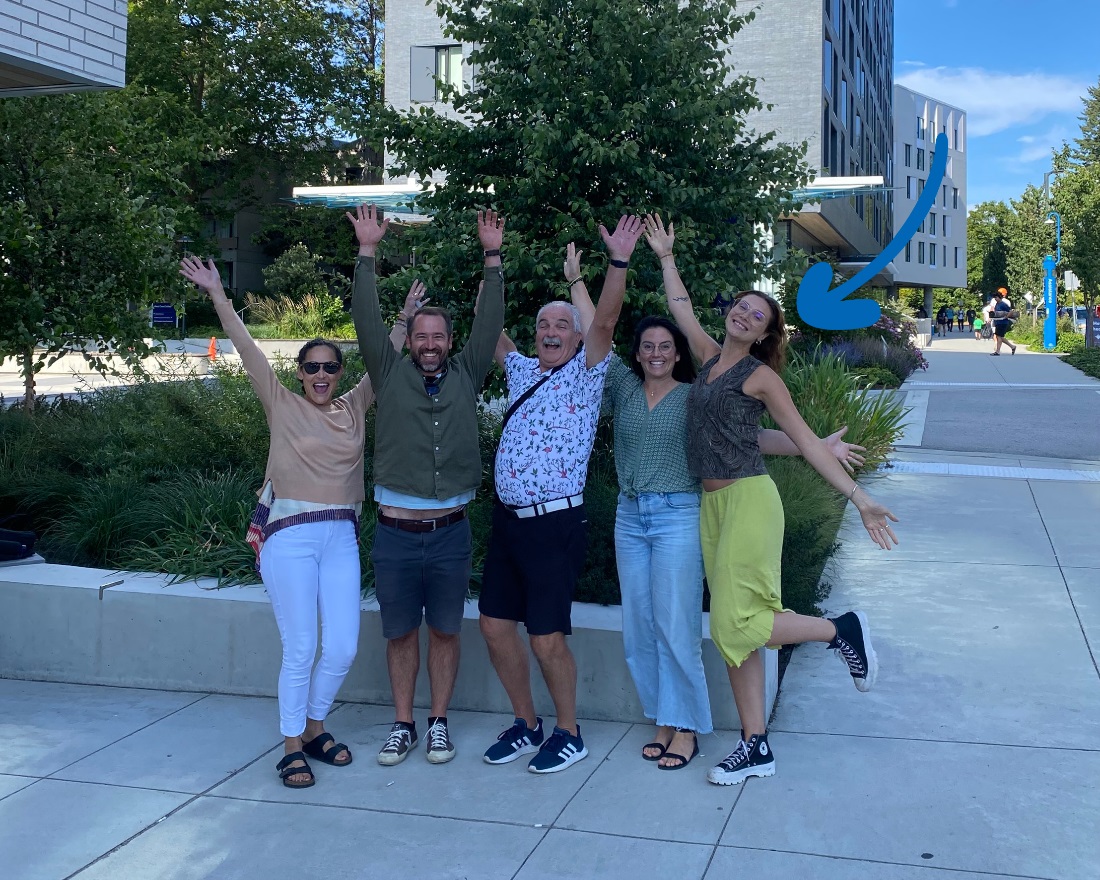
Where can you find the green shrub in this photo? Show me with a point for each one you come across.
(877, 377)
(310, 316)
(1087, 360)
(1030, 331)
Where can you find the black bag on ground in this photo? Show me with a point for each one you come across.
(16, 545)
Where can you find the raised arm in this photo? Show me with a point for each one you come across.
(481, 347)
(661, 240)
(765, 385)
(620, 245)
(370, 329)
(504, 345)
(777, 443)
(256, 364)
(578, 290)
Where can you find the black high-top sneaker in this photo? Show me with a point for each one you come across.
(853, 646)
(752, 758)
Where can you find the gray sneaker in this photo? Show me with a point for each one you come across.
(440, 748)
(399, 743)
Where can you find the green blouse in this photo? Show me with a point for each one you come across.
(650, 445)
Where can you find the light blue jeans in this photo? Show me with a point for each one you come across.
(661, 579)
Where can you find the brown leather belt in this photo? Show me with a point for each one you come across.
(423, 525)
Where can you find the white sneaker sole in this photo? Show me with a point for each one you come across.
(389, 759)
(568, 762)
(863, 685)
(508, 759)
(724, 777)
(441, 757)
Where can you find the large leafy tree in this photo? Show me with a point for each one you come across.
(1077, 199)
(89, 203)
(986, 251)
(585, 109)
(257, 85)
(1028, 238)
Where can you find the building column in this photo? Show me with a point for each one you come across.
(928, 302)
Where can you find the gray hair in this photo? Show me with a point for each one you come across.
(560, 302)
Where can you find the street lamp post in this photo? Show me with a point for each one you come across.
(1050, 285)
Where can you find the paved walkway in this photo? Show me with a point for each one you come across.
(976, 756)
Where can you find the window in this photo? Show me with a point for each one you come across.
(844, 103)
(932, 255)
(909, 252)
(946, 227)
(827, 72)
(956, 258)
(956, 143)
(920, 159)
(908, 156)
(921, 227)
(835, 14)
(932, 223)
(432, 66)
(955, 197)
(920, 128)
(920, 252)
(945, 195)
(920, 185)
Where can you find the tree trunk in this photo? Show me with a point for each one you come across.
(28, 380)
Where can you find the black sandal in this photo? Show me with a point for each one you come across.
(654, 745)
(683, 761)
(315, 748)
(286, 771)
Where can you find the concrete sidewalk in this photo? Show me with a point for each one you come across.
(976, 756)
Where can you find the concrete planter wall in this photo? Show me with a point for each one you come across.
(56, 624)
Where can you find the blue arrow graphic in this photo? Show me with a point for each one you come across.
(826, 308)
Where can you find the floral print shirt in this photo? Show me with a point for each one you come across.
(544, 450)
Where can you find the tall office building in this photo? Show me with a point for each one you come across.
(936, 254)
(827, 69)
(825, 66)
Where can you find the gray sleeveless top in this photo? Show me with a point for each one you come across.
(723, 423)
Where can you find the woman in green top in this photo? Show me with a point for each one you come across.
(657, 547)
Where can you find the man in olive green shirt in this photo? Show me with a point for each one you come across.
(427, 467)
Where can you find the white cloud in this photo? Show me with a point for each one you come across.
(996, 101)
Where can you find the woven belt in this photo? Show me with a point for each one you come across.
(423, 525)
(548, 506)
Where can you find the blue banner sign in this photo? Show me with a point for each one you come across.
(163, 313)
(1050, 296)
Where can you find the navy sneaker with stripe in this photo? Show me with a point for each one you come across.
(559, 752)
(517, 740)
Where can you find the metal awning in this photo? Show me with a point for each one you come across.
(841, 188)
(399, 199)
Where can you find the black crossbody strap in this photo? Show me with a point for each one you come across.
(523, 398)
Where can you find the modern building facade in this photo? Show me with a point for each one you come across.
(52, 46)
(826, 69)
(936, 255)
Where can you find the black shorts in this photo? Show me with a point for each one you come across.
(1000, 329)
(532, 567)
(421, 575)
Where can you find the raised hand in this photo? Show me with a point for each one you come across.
(660, 239)
(620, 243)
(415, 300)
(876, 519)
(490, 229)
(848, 454)
(370, 227)
(572, 267)
(204, 276)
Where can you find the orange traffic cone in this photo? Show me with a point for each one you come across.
(212, 351)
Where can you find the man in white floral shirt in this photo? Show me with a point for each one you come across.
(539, 539)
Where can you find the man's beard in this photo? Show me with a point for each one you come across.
(415, 358)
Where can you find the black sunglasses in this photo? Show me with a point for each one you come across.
(312, 367)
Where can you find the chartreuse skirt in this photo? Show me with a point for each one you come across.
(741, 529)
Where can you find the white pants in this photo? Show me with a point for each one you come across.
(306, 567)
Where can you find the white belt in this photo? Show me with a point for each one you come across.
(549, 506)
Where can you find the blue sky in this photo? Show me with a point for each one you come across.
(1019, 74)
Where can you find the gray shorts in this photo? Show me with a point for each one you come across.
(421, 575)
